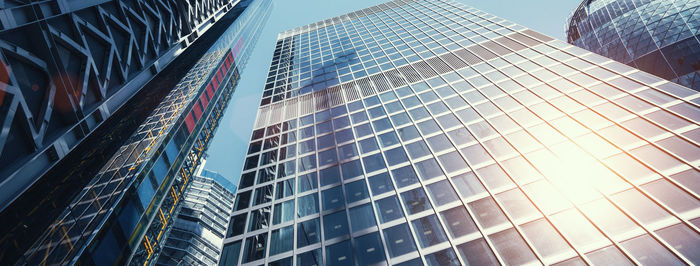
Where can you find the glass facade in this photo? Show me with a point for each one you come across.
(657, 36)
(123, 215)
(429, 132)
(199, 229)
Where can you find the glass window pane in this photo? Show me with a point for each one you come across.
(428, 169)
(311, 258)
(512, 248)
(458, 222)
(307, 182)
(639, 206)
(608, 256)
(404, 176)
(308, 232)
(369, 249)
(362, 217)
(415, 201)
(388, 209)
(545, 239)
(283, 212)
(373, 162)
(517, 205)
(340, 254)
(380, 183)
(683, 239)
(399, 240)
(428, 231)
(388, 139)
(230, 253)
(477, 252)
(281, 240)
(445, 257)
(395, 156)
(417, 149)
(487, 212)
(347, 151)
(332, 198)
(453, 162)
(335, 225)
(468, 185)
(255, 247)
(307, 205)
(351, 169)
(356, 191)
(579, 231)
(649, 252)
(442, 193)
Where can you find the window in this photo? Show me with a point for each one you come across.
(399, 240)
(242, 201)
(356, 191)
(453, 162)
(373, 162)
(329, 176)
(307, 146)
(362, 217)
(461, 136)
(368, 145)
(487, 213)
(307, 205)
(307, 163)
(335, 225)
(388, 139)
(477, 252)
(684, 239)
(380, 183)
(281, 240)
(309, 258)
(517, 205)
(340, 254)
(344, 136)
(408, 133)
(439, 143)
(388, 209)
(326, 141)
(327, 157)
(369, 249)
(415, 201)
(458, 221)
(263, 194)
(307, 182)
(230, 253)
(285, 188)
(333, 198)
(512, 248)
(255, 248)
(308, 232)
(417, 149)
(352, 169)
(396, 156)
(442, 193)
(284, 212)
(347, 151)
(443, 257)
(649, 252)
(428, 231)
(428, 169)
(544, 238)
(608, 256)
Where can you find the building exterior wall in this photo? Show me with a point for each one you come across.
(657, 36)
(429, 132)
(200, 227)
(67, 66)
(123, 214)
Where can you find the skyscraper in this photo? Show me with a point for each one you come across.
(656, 36)
(199, 229)
(430, 132)
(130, 196)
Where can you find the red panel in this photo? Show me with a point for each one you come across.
(215, 84)
(210, 93)
(197, 110)
(189, 121)
(203, 99)
(218, 74)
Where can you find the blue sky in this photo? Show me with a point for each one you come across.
(227, 150)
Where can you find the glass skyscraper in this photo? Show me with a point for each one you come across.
(199, 229)
(661, 37)
(429, 132)
(127, 206)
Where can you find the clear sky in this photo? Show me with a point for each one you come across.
(230, 143)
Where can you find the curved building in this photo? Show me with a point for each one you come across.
(657, 36)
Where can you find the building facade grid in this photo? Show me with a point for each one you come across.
(660, 37)
(433, 133)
